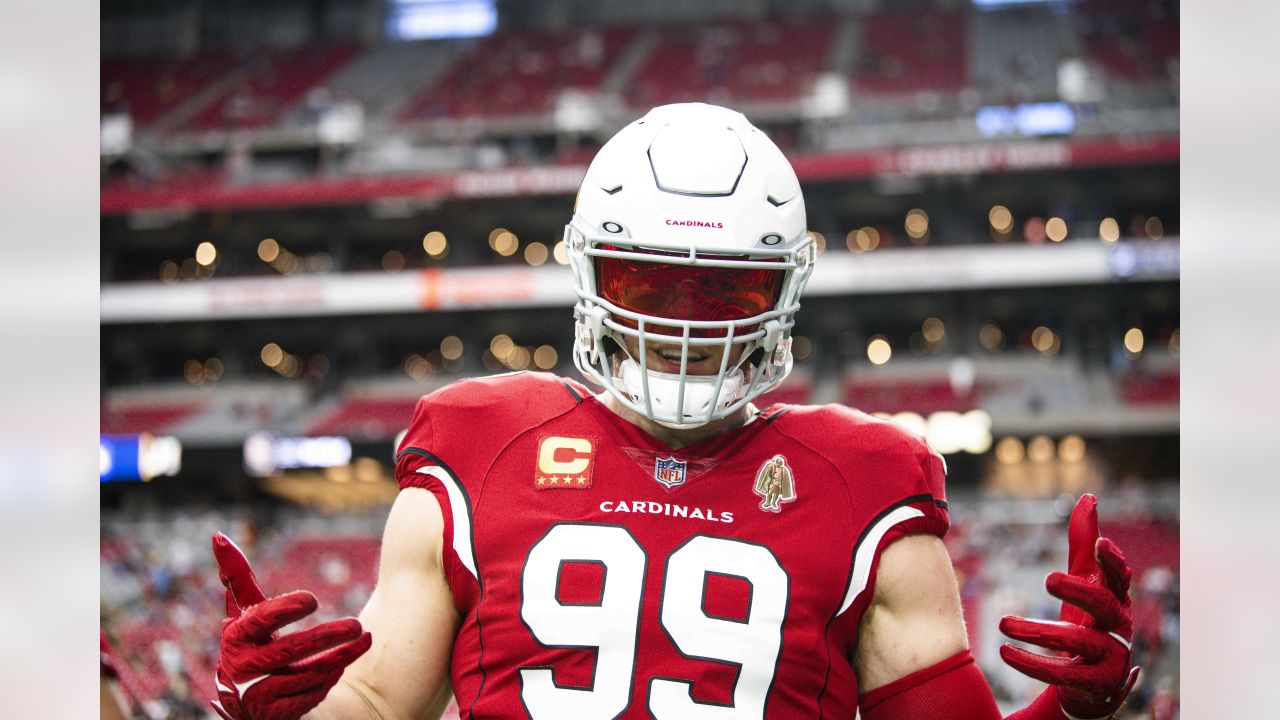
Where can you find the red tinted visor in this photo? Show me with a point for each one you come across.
(684, 292)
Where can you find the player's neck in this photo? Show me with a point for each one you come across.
(678, 438)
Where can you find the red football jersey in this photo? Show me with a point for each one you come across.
(601, 574)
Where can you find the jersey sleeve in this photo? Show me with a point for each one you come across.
(418, 466)
(910, 500)
(453, 439)
(925, 495)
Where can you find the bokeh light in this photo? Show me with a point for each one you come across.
(879, 351)
(206, 253)
(1000, 218)
(916, 224)
(435, 244)
(535, 253)
(1133, 341)
(1056, 229)
(1109, 230)
(451, 347)
(268, 250)
(1009, 451)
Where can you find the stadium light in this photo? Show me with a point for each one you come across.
(879, 351)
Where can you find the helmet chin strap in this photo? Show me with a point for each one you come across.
(664, 391)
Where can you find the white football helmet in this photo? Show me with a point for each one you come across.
(689, 232)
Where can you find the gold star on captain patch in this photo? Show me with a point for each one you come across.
(553, 479)
(542, 481)
(582, 480)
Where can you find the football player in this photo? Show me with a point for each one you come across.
(663, 548)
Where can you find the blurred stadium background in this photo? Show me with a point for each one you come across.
(315, 211)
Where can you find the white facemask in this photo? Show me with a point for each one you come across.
(700, 396)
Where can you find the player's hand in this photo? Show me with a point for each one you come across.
(261, 674)
(1093, 671)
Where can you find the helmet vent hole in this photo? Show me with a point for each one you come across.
(776, 202)
(614, 191)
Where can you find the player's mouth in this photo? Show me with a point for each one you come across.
(667, 360)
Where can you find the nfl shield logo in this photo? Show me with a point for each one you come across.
(669, 472)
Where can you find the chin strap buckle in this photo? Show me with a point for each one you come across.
(781, 352)
(590, 328)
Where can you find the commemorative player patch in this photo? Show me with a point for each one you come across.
(775, 483)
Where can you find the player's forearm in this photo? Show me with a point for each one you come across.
(340, 704)
(346, 702)
(351, 699)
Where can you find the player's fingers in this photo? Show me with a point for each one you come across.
(1050, 670)
(235, 573)
(337, 658)
(284, 655)
(1082, 536)
(261, 620)
(303, 644)
(1115, 569)
(1099, 602)
(1090, 645)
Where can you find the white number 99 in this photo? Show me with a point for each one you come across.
(612, 625)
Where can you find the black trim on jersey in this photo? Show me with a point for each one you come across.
(576, 396)
(604, 578)
(786, 611)
(777, 415)
(461, 489)
(475, 558)
(595, 665)
(923, 497)
(750, 597)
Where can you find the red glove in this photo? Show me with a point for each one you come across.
(263, 675)
(1093, 672)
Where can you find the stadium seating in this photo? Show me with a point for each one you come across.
(328, 566)
(158, 417)
(1159, 388)
(228, 412)
(771, 60)
(909, 50)
(274, 83)
(796, 389)
(364, 416)
(920, 385)
(1132, 40)
(148, 87)
(515, 73)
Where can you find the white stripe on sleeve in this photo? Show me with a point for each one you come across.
(866, 552)
(461, 512)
